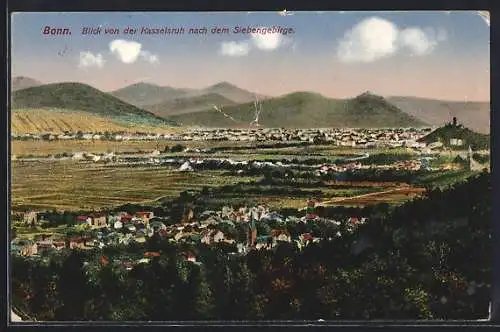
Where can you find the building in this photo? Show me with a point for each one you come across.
(97, 221)
(145, 216)
(24, 247)
(31, 218)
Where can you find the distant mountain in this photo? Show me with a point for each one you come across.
(470, 138)
(140, 94)
(305, 109)
(231, 92)
(23, 82)
(83, 98)
(474, 115)
(146, 94)
(188, 104)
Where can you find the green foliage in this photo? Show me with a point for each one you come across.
(418, 253)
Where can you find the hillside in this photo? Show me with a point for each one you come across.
(141, 94)
(449, 131)
(58, 121)
(474, 115)
(188, 105)
(84, 98)
(305, 109)
(23, 82)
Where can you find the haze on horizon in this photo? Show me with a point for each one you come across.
(437, 55)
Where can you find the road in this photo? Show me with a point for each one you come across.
(341, 199)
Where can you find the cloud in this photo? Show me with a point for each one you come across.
(417, 41)
(260, 41)
(268, 41)
(129, 51)
(233, 48)
(149, 57)
(88, 59)
(376, 38)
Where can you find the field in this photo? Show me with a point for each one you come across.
(57, 121)
(67, 185)
(71, 186)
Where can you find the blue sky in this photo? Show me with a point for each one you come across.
(339, 54)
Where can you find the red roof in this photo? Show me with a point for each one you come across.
(151, 254)
(127, 217)
(81, 218)
(307, 236)
(143, 213)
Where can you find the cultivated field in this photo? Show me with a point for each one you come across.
(66, 185)
(39, 121)
(70, 185)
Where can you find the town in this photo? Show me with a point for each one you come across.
(339, 137)
(245, 228)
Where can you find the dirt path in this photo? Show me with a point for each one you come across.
(379, 193)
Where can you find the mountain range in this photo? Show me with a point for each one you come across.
(306, 110)
(154, 104)
(149, 95)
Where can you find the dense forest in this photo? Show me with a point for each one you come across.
(429, 258)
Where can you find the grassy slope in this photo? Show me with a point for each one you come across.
(304, 109)
(84, 98)
(474, 115)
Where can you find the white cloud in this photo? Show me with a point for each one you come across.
(233, 48)
(261, 41)
(88, 59)
(417, 41)
(129, 51)
(149, 57)
(376, 38)
(268, 41)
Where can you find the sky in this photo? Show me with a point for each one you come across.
(439, 55)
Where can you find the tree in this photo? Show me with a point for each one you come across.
(177, 148)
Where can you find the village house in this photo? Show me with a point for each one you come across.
(97, 220)
(145, 216)
(24, 247)
(31, 218)
(280, 235)
(80, 242)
